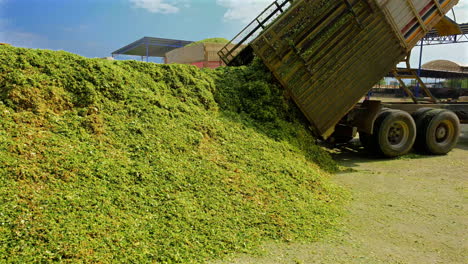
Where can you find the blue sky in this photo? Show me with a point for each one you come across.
(95, 28)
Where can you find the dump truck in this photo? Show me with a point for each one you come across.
(328, 54)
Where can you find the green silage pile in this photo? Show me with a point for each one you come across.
(123, 161)
(210, 41)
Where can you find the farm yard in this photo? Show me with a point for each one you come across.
(307, 137)
(408, 210)
(165, 170)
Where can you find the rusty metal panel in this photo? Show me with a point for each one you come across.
(328, 54)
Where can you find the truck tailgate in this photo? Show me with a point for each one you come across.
(329, 53)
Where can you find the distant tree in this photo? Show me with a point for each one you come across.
(456, 83)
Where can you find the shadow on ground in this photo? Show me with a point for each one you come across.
(352, 153)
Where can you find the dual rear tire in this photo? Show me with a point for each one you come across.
(394, 134)
(433, 131)
(438, 131)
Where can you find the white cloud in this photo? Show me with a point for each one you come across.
(246, 10)
(243, 10)
(454, 52)
(461, 12)
(157, 6)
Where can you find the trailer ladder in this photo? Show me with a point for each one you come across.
(407, 73)
(252, 30)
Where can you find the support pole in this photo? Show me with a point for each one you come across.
(419, 68)
(147, 52)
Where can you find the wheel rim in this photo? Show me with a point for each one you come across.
(444, 132)
(398, 134)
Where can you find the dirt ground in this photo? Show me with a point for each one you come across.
(408, 210)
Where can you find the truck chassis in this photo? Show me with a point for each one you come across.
(393, 129)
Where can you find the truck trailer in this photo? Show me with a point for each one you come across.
(327, 54)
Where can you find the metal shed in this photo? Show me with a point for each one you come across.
(151, 47)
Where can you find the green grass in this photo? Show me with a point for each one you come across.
(123, 161)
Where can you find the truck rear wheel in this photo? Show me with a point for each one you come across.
(394, 133)
(367, 140)
(418, 115)
(438, 132)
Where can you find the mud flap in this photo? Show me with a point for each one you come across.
(364, 115)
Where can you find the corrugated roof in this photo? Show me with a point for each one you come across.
(439, 74)
(442, 65)
(152, 47)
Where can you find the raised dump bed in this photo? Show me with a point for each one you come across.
(329, 53)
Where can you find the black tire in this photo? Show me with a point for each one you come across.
(394, 133)
(438, 132)
(367, 140)
(419, 116)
